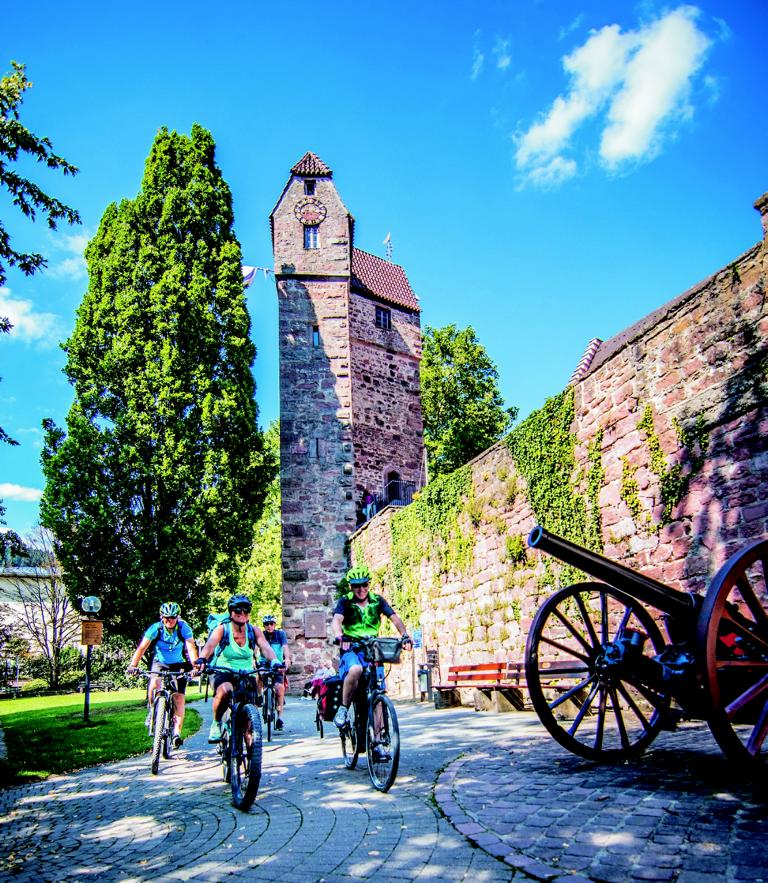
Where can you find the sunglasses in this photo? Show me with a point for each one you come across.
(245, 610)
(169, 618)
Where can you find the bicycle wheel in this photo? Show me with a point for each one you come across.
(158, 727)
(246, 756)
(319, 722)
(383, 750)
(168, 730)
(350, 744)
(268, 710)
(226, 758)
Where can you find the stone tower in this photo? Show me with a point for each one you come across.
(350, 405)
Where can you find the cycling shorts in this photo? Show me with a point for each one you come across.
(351, 658)
(178, 686)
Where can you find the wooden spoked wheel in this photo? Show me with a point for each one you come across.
(732, 644)
(579, 668)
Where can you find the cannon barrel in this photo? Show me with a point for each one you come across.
(637, 586)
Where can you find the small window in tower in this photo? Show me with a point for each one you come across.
(315, 335)
(312, 237)
(383, 318)
(309, 188)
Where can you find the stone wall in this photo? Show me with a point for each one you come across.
(679, 406)
(386, 395)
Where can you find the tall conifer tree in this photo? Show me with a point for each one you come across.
(162, 469)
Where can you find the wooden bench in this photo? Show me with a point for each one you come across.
(499, 686)
(106, 686)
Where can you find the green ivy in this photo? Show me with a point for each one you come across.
(673, 482)
(430, 528)
(543, 448)
(595, 482)
(628, 490)
(515, 549)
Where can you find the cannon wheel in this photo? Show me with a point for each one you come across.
(732, 637)
(597, 712)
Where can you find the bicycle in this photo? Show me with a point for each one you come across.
(268, 697)
(371, 718)
(160, 726)
(240, 744)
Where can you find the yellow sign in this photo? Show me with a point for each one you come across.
(92, 632)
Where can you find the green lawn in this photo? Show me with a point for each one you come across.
(47, 734)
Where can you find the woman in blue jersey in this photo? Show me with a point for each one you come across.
(236, 642)
(168, 638)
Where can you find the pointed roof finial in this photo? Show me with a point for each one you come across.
(310, 165)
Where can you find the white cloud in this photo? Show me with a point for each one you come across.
(478, 60)
(656, 88)
(553, 172)
(639, 80)
(501, 51)
(17, 492)
(74, 266)
(28, 325)
(574, 25)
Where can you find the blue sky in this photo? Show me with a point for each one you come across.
(549, 171)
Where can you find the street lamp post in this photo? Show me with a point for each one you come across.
(91, 635)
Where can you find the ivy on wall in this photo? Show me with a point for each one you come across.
(430, 528)
(543, 448)
(440, 524)
(673, 482)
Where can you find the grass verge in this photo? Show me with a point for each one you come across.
(45, 735)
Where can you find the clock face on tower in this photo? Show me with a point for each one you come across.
(310, 211)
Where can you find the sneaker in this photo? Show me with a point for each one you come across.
(214, 734)
(381, 755)
(340, 718)
(279, 724)
(177, 740)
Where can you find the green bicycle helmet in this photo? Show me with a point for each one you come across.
(239, 601)
(170, 608)
(358, 575)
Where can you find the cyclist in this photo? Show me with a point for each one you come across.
(168, 638)
(279, 643)
(236, 642)
(358, 615)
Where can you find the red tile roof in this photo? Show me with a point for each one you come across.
(382, 279)
(312, 166)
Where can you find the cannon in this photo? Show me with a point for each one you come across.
(605, 681)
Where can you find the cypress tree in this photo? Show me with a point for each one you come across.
(161, 471)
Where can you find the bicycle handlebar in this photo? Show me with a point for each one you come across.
(225, 670)
(179, 675)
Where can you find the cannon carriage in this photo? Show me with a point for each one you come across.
(604, 679)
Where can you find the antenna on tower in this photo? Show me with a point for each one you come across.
(388, 243)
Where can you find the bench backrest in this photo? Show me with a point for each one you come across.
(487, 673)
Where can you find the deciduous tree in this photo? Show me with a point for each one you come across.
(161, 468)
(41, 611)
(463, 409)
(261, 572)
(15, 138)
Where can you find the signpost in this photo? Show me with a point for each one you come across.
(92, 632)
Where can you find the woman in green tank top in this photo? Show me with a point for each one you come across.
(237, 654)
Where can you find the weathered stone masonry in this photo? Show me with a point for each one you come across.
(701, 360)
(350, 409)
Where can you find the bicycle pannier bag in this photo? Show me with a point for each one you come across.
(329, 696)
